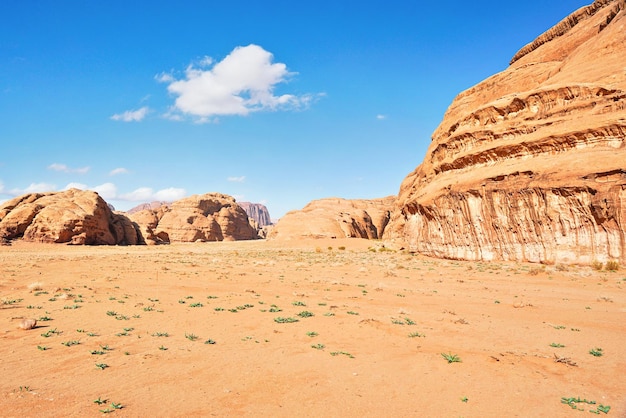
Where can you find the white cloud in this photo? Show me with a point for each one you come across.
(170, 194)
(34, 188)
(119, 170)
(132, 115)
(106, 190)
(73, 185)
(65, 169)
(381, 117)
(239, 179)
(241, 83)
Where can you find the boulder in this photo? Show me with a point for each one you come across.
(530, 164)
(336, 218)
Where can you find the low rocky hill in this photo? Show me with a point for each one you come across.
(72, 216)
(336, 218)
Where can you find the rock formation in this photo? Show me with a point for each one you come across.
(208, 217)
(336, 218)
(530, 164)
(258, 212)
(72, 216)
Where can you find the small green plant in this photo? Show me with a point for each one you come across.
(575, 402)
(298, 303)
(451, 358)
(282, 320)
(162, 348)
(305, 314)
(160, 334)
(196, 305)
(329, 314)
(464, 399)
(74, 306)
(337, 353)
(100, 401)
(209, 341)
(318, 346)
(98, 352)
(275, 308)
(415, 335)
(211, 297)
(558, 326)
(122, 318)
(352, 313)
(11, 301)
(92, 334)
(312, 334)
(556, 345)
(42, 347)
(148, 309)
(44, 318)
(191, 337)
(596, 352)
(101, 366)
(111, 313)
(70, 343)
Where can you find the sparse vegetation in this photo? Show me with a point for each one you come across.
(451, 358)
(596, 352)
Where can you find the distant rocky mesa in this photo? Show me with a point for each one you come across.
(257, 212)
(336, 218)
(530, 164)
(83, 217)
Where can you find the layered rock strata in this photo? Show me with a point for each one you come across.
(530, 164)
(336, 218)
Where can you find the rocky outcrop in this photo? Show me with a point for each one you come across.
(530, 164)
(72, 216)
(336, 218)
(257, 212)
(208, 217)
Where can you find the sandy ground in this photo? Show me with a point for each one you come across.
(191, 330)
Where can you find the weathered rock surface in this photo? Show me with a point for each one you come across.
(530, 164)
(336, 218)
(258, 212)
(208, 217)
(72, 216)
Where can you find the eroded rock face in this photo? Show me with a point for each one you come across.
(258, 212)
(208, 217)
(336, 218)
(530, 164)
(72, 216)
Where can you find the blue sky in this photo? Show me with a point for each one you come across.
(278, 102)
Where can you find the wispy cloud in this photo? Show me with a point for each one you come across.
(132, 115)
(381, 117)
(117, 171)
(239, 179)
(65, 169)
(241, 83)
(147, 194)
(33, 188)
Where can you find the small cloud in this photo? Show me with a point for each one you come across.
(239, 179)
(381, 117)
(242, 83)
(170, 194)
(73, 185)
(119, 170)
(34, 188)
(132, 115)
(65, 169)
(106, 190)
(147, 194)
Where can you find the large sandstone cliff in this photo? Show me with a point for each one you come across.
(73, 216)
(336, 218)
(530, 164)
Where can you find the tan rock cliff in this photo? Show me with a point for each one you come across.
(530, 164)
(73, 216)
(336, 218)
(208, 217)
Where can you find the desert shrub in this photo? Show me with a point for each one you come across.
(597, 265)
(612, 265)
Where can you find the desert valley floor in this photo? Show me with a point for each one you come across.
(304, 328)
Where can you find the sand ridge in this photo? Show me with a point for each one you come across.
(205, 330)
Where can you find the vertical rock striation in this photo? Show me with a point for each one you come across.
(530, 164)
